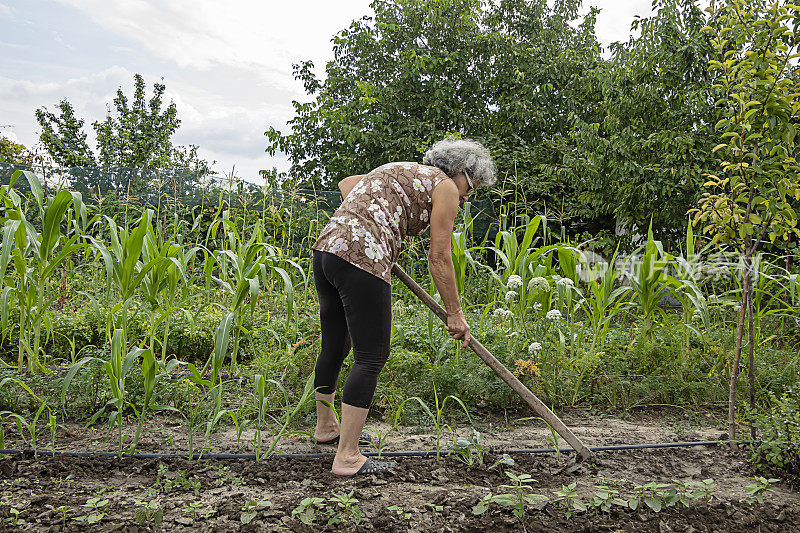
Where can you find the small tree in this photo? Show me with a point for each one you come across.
(750, 199)
(63, 136)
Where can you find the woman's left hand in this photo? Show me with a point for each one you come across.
(458, 328)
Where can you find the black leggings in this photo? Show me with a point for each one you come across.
(354, 306)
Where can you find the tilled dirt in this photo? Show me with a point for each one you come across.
(51, 494)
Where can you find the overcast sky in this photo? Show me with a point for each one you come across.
(226, 64)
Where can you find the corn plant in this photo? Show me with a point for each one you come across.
(164, 286)
(125, 271)
(437, 417)
(603, 300)
(515, 256)
(649, 280)
(117, 368)
(243, 267)
(33, 258)
(288, 413)
(24, 425)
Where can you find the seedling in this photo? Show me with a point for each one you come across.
(755, 491)
(195, 510)
(226, 475)
(399, 511)
(251, 509)
(96, 512)
(434, 507)
(605, 498)
(63, 510)
(308, 509)
(14, 519)
(568, 496)
(346, 509)
(519, 498)
(148, 514)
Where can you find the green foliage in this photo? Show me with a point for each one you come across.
(778, 450)
(14, 153)
(510, 73)
(644, 154)
(63, 136)
(752, 197)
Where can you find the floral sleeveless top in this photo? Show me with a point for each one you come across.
(392, 201)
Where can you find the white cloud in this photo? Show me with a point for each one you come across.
(5, 12)
(264, 38)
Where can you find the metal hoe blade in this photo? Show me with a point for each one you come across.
(530, 398)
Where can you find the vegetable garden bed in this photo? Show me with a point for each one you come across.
(421, 494)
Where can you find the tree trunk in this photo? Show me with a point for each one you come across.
(735, 367)
(751, 378)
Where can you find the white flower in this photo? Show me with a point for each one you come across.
(512, 296)
(537, 307)
(553, 314)
(534, 347)
(539, 284)
(514, 282)
(565, 282)
(503, 314)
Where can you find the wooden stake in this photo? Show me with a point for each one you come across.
(530, 398)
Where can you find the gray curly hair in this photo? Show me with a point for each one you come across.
(453, 156)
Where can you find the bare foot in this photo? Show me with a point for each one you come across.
(324, 434)
(347, 466)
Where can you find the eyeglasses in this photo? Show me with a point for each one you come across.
(469, 181)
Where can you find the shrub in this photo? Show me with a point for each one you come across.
(778, 452)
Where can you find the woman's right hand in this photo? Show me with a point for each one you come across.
(458, 328)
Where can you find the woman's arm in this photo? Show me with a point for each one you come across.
(347, 184)
(440, 260)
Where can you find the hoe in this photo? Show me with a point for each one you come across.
(530, 398)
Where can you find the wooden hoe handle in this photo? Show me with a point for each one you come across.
(530, 398)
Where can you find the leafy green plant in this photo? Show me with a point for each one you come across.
(96, 510)
(345, 509)
(148, 514)
(778, 450)
(251, 508)
(401, 513)
(520, 498)
(756, 491)
(469, 451)
(34, 258)
(605, 498)
(308, 509)
(568, 497)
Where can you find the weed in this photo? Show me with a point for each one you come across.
(226, 475)
(179, 482)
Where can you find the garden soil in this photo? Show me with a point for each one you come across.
(434, 495)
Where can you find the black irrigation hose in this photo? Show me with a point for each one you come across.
(222, 456)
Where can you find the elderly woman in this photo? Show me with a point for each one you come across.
(353, 259)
